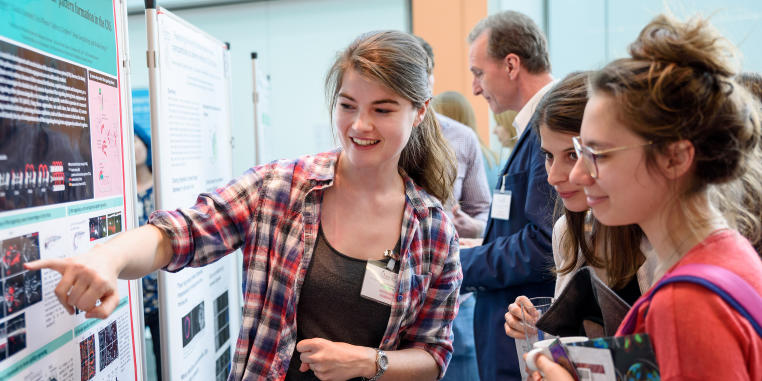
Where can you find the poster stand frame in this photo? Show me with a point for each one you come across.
(153, 60)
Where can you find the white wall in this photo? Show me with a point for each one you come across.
(586, 34)
(296, 41)
(532, 8)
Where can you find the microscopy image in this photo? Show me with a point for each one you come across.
(222, 366)
(2, 301)
(103, 225)
(95, 229)
(192, 323)
(114, 223)
(221, 323)
(87, 357)
(12, 259)
(198, 318)
(17, 323)
(21, 291)
(108, 344)
(16, 332)
(98, 227)
(19, 287)
(33, 286)
(16, 342)
(15, 294)
(3, 342)
(17, 251)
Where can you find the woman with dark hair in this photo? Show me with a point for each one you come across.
(350, 263)
(578, 239)
(659, 130)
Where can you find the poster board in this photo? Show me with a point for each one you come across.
(66, 184)
(189, 73)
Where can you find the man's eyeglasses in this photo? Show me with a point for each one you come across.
(590, 156)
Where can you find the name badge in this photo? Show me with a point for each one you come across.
(501, 205)
(379, 283)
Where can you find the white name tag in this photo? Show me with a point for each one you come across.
(501, 205)
(379, 283)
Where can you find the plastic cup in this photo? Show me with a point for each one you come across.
(530, 314)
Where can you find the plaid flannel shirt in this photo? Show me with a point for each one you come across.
(273, 211)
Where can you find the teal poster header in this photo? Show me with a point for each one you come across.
(81, 31)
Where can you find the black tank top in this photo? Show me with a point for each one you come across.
(330, 305)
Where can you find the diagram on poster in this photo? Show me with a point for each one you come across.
(62, 186)
(106, 144)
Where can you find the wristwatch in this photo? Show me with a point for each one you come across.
(382, 362)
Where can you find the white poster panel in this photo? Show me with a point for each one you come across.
(200, 308)
(66, 184)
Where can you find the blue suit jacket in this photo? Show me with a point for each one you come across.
(514, 260)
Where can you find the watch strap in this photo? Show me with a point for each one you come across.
(379, 369)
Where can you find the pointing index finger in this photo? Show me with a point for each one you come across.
(55, 264)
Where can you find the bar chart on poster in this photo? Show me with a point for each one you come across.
(65, 185)
(190, 82)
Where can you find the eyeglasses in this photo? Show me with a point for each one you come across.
(590, 156)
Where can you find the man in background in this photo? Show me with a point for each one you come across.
(509, 61)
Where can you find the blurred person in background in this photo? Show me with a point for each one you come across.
(454, 105)
(146, 206)
(470, 206)
(506, 135)
(471, 195)
(504, 129)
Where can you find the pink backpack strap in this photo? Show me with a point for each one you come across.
(735, 291)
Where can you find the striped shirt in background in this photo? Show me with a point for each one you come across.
(471, 188)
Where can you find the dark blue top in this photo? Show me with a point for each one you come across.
(515, 259)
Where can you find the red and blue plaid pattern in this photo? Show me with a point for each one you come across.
(273, 212)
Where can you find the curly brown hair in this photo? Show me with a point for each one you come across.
(679, 84)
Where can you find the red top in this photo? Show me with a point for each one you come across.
(696, 335)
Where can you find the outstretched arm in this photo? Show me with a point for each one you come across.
(91, 277)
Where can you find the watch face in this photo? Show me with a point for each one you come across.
(383, 362)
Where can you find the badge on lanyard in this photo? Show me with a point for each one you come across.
(501, 203)
(380, 281)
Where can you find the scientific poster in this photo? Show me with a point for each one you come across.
(191, 122)
(63, 168)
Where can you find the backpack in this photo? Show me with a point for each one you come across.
(735, 291)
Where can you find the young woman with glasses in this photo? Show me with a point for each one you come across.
(578, 239)
(660, 129)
